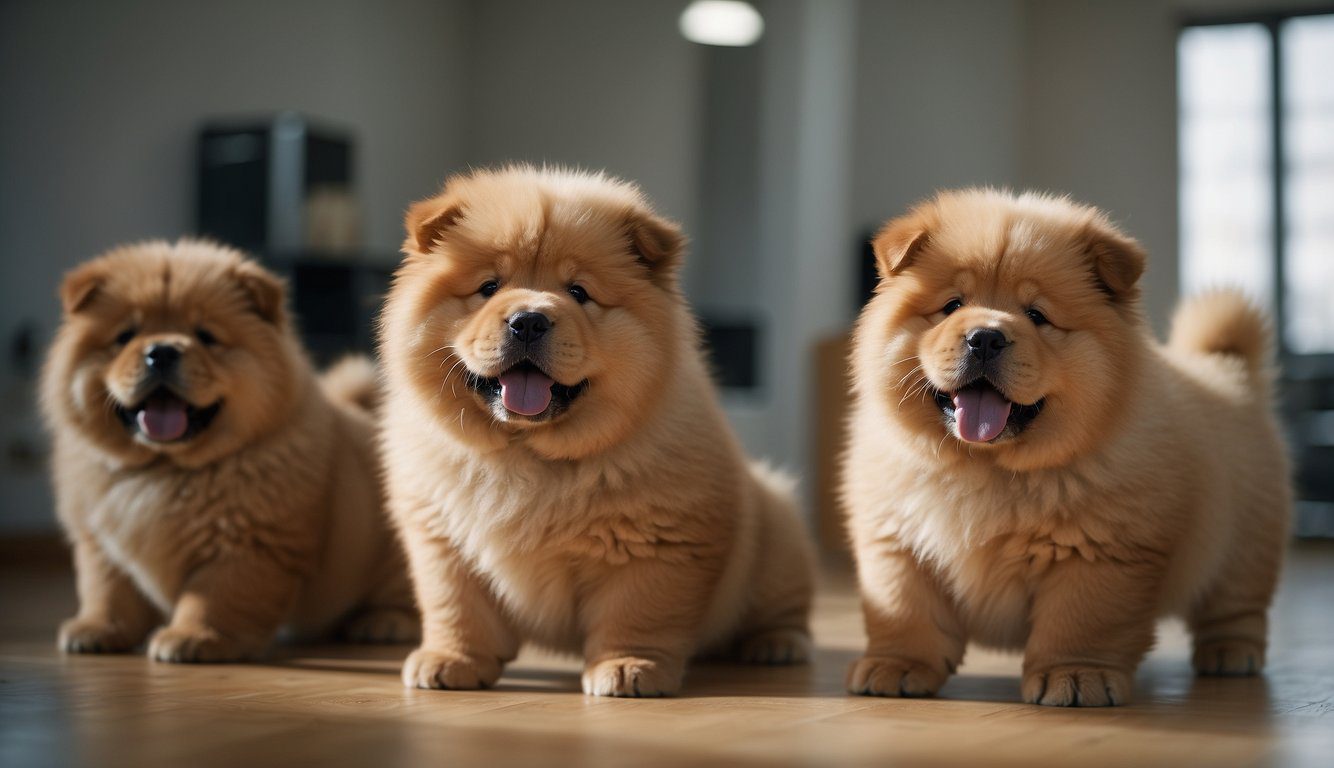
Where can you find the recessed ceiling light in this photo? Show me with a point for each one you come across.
(721, 22)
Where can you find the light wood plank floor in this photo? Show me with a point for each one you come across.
(324, 706)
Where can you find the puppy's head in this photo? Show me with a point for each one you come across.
(1009, 324)
(538, 305)
(180, 351)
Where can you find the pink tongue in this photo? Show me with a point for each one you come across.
(526, 391)
(163, 420)
(981, 413)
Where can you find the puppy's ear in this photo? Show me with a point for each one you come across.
(427, 220)
(267, 292)
(656, 242)
(80, 286)
(1118, 260)
(900, 242)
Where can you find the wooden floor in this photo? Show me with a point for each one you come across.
(336, 706)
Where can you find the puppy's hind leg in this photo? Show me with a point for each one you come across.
(383, 624)
(776, 629)
(389, 614)
(1229, 623)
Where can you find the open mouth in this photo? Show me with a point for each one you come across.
(526, 390)
(164, 417)
(980, 413)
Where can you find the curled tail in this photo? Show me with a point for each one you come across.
(353, 381)
(1225, 322)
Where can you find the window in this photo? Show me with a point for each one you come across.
(1256, 101)
(1227, 212)
(1307, 46)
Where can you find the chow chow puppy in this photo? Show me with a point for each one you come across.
(559, 468)
(202, 471)
(1029, 469)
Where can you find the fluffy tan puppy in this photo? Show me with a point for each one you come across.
(1029, 469)
(559, 467)
(203, 473)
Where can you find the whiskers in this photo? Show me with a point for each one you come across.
(918, 387)
(918, 390)
(915, 369)
(110, 405)
(438, 350)
(449, 378)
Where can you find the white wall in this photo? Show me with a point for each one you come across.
(598, 83)
(938, 101)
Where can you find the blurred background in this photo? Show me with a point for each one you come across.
(301, 129)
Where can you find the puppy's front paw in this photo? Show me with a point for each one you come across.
(191, 646)
(91, 636)
(1075, 686)
(779, 646)
(890, 676)
(628, 676)
(425, 668)
(383, 625)
(1234, 658)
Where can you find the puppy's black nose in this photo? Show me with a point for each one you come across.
(529, 326)
(161, 358)
(986, 343)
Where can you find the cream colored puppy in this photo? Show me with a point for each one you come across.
(559, 468)
(204, 473)
(1029, 469)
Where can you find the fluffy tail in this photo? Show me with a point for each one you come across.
(1225, 322)
(353, 381)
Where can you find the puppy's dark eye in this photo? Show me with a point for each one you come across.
(1037, 317)
(951, 306)
(489, 289)
(205, 338)
(124, 336)
(577, 291)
